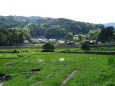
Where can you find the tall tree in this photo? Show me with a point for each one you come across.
(56, 32)
(105, 33)
(69, 36)
(93, 34)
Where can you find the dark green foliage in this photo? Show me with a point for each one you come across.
(11, 37)
(48, 47)
(85, 47)
(14, 29)
(55, 32)
(45, 27)
(69, 36)
(15, 51)
(35, 29)
(3, 37)
(12, 21)
(105, 33)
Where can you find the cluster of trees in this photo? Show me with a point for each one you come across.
(16, 21)
(59, 28)
(106, 34)
(14, 29)
(47, 27)
(91, 35)
(12, 37)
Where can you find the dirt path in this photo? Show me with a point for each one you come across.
(49, 75)
(43, 79)
(68, 77)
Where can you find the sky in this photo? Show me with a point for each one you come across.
(93, 11)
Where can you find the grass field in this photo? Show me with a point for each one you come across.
(57, 69)
(92, 49)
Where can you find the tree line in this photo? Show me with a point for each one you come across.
(12, 37)
(15, 29)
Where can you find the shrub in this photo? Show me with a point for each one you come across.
(15, 51)
(85, 47)
(48, 47)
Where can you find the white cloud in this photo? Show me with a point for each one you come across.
(97, 11)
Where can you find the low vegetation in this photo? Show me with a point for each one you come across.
(36, 68)
(78, 59)
(48, 47)
(85, 47)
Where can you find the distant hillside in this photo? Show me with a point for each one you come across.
(47, 27)
(110, 24)
(15, 21)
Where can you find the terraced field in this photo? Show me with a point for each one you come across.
(30, 67)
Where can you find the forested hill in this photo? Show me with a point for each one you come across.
(46, 27)
(16, 21)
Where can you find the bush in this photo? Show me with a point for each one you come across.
(85, 47)
(48, 47)
(15, 51)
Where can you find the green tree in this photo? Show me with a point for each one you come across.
(27, 36)
(35, 29)
(3, 39)
(55, 32)
(21, 38)
(79, 37)
(48, 47)
(69, 36)
(93, 34)
(105, 33)
(75, 29)
(85, 47)
(109, 31)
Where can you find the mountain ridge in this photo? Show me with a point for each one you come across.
(48, 27)
(109, 24)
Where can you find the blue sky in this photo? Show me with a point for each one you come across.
(94, 11)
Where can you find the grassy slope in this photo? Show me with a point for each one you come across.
(93, 70)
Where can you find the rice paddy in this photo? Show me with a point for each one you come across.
(31, 67)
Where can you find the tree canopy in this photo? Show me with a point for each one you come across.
(15, 28)
(47, 27)
(105, 33)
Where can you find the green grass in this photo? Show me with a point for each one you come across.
(95, 49)
(38, 45)
(96, 72)
(107, 44)
(92, 70)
